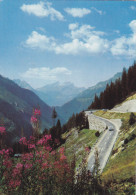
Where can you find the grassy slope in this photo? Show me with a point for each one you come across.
(120, 169)
(76, 143)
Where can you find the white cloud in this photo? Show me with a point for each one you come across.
(36, 40)
(132, 25)
(82, 39)
(46, 74)
(133, 7)
(73, 26)
(42, 9)
(78, 12)
(86, 39)
(98, 11)
(126, 45)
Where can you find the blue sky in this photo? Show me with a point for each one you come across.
(83, 42)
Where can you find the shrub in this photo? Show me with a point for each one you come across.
(132, 119)
(43, 170)
(133, 136)
(126, 141)
(114, 151)
(97, 134)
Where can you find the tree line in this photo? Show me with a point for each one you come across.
(116, 92)
(79, 121)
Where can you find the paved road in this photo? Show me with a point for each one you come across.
(104, 146)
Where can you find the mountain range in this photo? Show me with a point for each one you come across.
(55, 94)
(16, 108)
(84, 99)
(58, 94)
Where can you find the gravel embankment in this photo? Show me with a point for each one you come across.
(129, 106)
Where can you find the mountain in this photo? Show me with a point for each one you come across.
(57, 94)
(54, 94)
(23, 84)
(84, 99)
(16, 107)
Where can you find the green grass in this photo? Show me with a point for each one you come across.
(112, 115)
(121, 165)
(120, 169)
(76, 143)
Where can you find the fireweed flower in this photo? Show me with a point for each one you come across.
(7, 163)
(87, 149)
(37, 112)
(2, 130)
(63, 157)
(28, 166)
(61, 150)
(33, 119)
(19, 165)
(31, 146)
(23, 141)
(14, 183)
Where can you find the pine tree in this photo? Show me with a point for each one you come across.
(54, 116)
(124, 84)
(132, 119)
(58, 130)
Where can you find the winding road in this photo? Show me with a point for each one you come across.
(104, 145)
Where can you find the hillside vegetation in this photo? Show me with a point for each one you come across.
(16, 107)
(118, 91)
(84, 99)
(119, 172)
(76, 143)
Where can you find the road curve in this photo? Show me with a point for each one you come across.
(104, 145)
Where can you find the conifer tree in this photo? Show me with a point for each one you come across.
(54, 116)
(58, 130)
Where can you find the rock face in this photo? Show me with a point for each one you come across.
(96, 124)
(129, 106)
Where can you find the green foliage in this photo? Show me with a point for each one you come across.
(118, 91)
(16, 107)
(79, 121)
(132, 119)
(54, 116)
(97, 134)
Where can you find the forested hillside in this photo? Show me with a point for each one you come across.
(16, 107)
(84, 99)
(117, 91)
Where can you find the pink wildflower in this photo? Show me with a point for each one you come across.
(42, 141)
(32, 138)
(16, 172)
(44, 165)
(7, 163)
(6, 153)
(33, 119)
(31, 146)
(19, 165)
(14, 183)
(23, 141)
(37, 112)
(27, 157)
(87, 149)
(2, 130)
(63, 157)
(61, 150)
(28, 166)
(48, 137)
(48, 148)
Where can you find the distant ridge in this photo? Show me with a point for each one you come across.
(55, 94)
(84, 99)
(16, 107)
